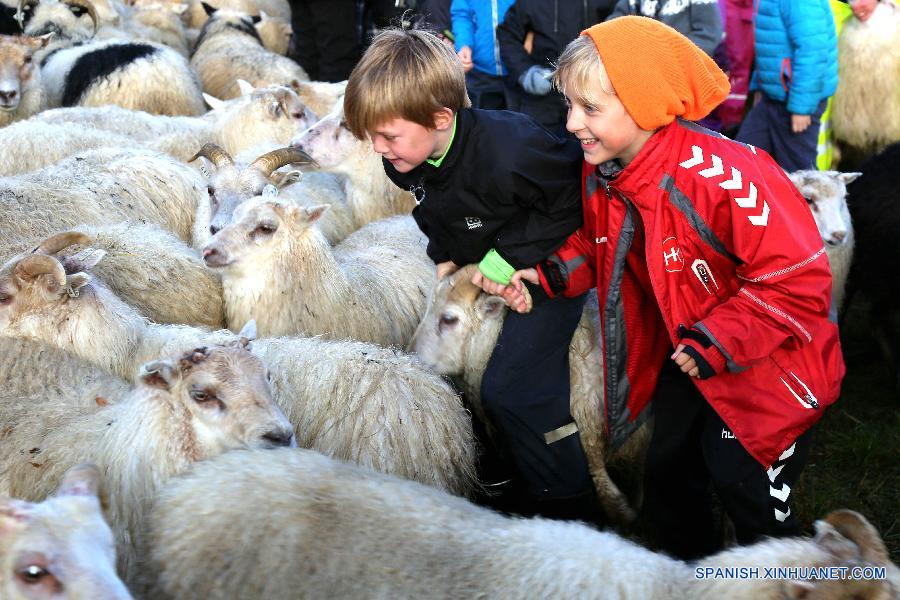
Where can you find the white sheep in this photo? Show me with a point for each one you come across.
(229, 48)
(231, 184)
(21, 94)
(136, 75)
(102, 186)
(352, 400)
(182, 410)
(322, 97)
(61, 547)
(370, 194)
(866, 108)
(33, 369)
(145, 266)
(262, 116)
(279, 270)
(456, 338)
(332, 530)
(274, 33)
(826, 193)
(197, 14)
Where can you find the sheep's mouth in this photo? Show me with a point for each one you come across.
(217, 261)
(5, 107)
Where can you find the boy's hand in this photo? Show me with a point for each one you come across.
(516, 295)
(491, 287)
(686, 363)
(446, 268)
(799, 123)
(465, 57)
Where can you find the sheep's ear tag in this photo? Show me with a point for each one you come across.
(204, 170)
(270, 191)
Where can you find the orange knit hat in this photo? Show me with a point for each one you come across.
(657, 72)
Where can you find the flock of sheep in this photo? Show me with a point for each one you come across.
(226, 361)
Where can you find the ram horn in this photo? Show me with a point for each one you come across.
(214, 153)
(91, 11)
(268, 162)
(20, 15)
(61, 241)
(34, 265)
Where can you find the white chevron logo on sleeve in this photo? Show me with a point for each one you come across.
(773, 473)
(695, 160)
(789, 452)
(735, 183)
(781, 516)
(715, 170)
(781, 494)
(750, 200)
(762, 219)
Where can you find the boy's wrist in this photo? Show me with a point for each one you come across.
(710, 360)
(494, 267)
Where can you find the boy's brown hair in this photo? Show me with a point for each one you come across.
(578, 69)
(406, 73)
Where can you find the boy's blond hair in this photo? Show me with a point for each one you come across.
(579, 70)
(408, 74)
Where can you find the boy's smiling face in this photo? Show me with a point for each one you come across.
(406, 144)
(603, 126)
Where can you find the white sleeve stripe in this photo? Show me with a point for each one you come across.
(777, 311)
(800, 264)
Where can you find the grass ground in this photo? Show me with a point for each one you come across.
(855, 459)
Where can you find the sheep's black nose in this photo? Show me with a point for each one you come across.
(213, 229)
(279, 437)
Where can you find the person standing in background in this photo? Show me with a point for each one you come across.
(796, 72)
(475, 32)
(553, 23)
(697, 20)
(325, 41)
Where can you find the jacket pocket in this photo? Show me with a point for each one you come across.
(795, 386)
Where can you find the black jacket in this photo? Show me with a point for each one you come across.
(555, 23)
(506, 183)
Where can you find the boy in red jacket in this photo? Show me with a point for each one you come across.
(701, 244)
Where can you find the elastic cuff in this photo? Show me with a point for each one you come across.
(709, 360)
(552, 276)
(494, 267)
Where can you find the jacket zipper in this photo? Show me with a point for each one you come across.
(495, 16)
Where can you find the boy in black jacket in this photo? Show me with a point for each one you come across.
(497, 189)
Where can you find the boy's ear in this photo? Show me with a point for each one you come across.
(443, 119)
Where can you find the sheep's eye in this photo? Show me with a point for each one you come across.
(449, 320)
(344, 125)
(266, 229)
(77, 10)
(33, 575)
(201, 397)
(27, 60)
(5, 299)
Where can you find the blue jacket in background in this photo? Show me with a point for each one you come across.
(796, 53)
(475, 25)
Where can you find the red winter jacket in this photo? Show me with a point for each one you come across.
(732, 252)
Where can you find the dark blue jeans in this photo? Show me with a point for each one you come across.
(525, 394)
(768, 127)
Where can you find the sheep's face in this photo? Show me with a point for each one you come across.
(259, 227)
(30, 288)
(844, 538)
(227, 188)
(457, 314)
(274, 33)
(225, 391)
(826, 194)
(271, 115)
(17, 67)
(60, 548)
(329, 142)
(67, 23)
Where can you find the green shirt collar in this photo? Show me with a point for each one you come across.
(437, 162)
